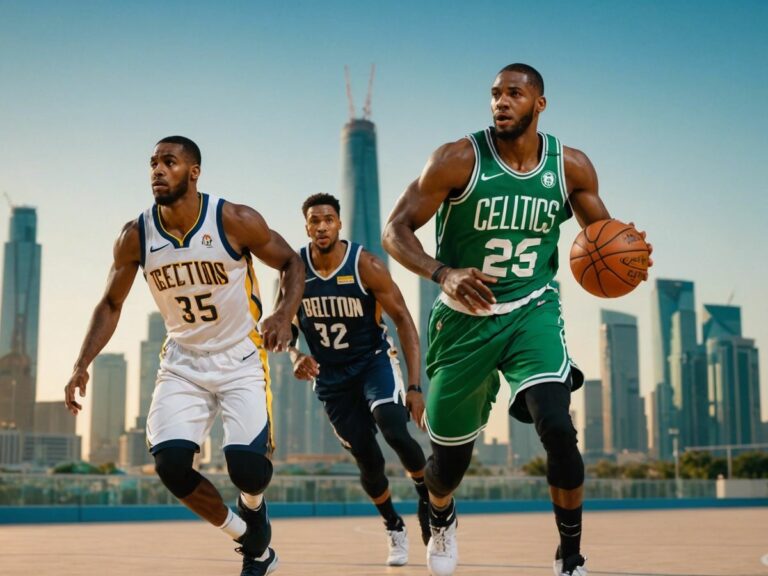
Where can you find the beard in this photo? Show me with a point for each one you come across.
(513, 132)
(327, 249)
(172, 195)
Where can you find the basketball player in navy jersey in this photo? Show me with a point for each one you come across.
(195, 252)
(354, 363)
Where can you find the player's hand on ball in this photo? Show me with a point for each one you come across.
(610, 258)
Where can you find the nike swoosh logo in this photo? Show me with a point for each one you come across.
(249, 355)
(485, 178)
(156, 248)
(310, 279)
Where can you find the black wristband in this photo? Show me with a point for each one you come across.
(414, 388)
(436, 274)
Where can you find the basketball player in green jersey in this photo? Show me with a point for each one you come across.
(500, 196)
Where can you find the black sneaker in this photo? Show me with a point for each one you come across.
(258, 533)
(423, 513)
(254, 567)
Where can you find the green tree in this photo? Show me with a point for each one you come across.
(661, 470)
(536, 467)
(635, 470)
(701, 465)
(751, 465)
(604, 469)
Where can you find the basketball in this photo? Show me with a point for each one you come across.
(609, 258)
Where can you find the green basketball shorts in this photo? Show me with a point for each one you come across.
(466, 353)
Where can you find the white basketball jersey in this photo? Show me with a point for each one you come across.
(207, 293)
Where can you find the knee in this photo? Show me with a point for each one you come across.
(397, 437)
(371, 464)
(251, 472)
(446, 467)
(556, 432)
(174, 467)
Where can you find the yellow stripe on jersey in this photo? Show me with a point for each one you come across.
(252, 289)
(378, 312)
(199, 215)
(259, 342)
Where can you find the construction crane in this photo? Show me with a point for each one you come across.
(369, 96)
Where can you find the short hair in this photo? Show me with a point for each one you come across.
(321, 199)
(534, 78)
(189, 147)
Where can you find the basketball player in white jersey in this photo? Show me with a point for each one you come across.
(195, 253)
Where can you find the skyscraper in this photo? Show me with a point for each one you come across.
(53, 418)
(360, 211)
(108, 407)
(593, 418)
(19, 319)
(149, 365)
(619, 367)
(669, 298)
(734, 377)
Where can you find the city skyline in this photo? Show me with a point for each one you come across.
(648, 104)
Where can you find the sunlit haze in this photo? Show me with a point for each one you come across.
(665, 98)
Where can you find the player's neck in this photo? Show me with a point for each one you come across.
(179, 217)
(523, 153)
(327, 262)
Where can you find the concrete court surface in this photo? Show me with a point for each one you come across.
(705, 542)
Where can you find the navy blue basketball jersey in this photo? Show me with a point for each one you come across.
(340, 320)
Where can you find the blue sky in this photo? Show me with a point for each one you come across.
(666, 99)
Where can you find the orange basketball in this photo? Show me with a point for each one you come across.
(609, 258)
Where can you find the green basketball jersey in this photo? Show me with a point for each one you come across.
(507, 223)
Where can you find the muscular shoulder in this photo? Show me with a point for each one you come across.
(128, 244)
(579, 172)
(243, 225)
(373, 271)
(451, 164)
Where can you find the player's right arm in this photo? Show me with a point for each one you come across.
(447, 171)
(127, 257)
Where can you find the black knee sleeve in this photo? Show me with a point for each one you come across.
(392, 420)
(446, 467)
(174, 467)
(370, 461)
(549, 406)
(250, 471)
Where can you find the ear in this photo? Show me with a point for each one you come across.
(541, 104)
(306, 229)
(194, 173)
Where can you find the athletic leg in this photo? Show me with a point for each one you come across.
(548, 404)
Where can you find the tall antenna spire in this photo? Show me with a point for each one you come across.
(350, 101)
(367, 107)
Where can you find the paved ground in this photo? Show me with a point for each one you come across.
(679, 543)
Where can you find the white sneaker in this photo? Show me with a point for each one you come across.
(443, 550)
(398, 547)
(578, 570)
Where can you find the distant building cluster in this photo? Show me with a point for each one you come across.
(706, 392)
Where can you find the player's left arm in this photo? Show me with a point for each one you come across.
(246, 229)
(377, 279)
(581, 179)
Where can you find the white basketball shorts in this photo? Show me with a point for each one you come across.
(193, 387)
